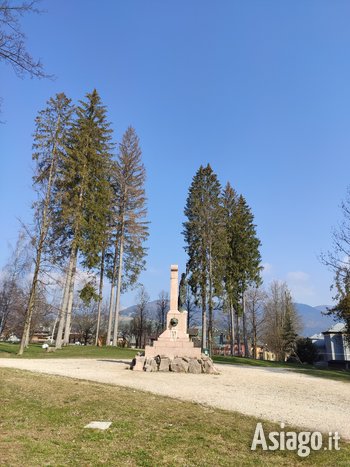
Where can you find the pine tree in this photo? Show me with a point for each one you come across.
(243, 257)
(130, 229)
(50, 138)
(289, 336)
(230, 198)
(84, 196)
(205, 239)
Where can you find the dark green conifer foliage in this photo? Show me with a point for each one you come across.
(230, 199)
(206, 243)
(85, 195)
(243, 264)
(50, 138)
(289, 335)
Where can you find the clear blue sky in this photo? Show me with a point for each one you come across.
(259, 89)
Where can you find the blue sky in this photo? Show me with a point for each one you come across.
(258, 89)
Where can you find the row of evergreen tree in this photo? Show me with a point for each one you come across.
(223, 252)
(90, 208)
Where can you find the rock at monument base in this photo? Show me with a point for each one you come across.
(138, 363)
(179, 365)
(164, 364)
(208, 366)
(194, 366)
(176, 365)
(150, 365)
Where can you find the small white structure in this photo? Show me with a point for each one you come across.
(337, 347)
(98, 425)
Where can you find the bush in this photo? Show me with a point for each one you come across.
(306, 350)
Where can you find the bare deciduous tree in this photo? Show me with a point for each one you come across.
(255, 299)
(13, 50)
(162, 308)
(13, 294)
(140, 324)
(277, 307)
(338, 261)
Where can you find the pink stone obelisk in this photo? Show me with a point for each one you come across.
(174, 341)
(174, 270)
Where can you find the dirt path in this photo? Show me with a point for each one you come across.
(268, 393)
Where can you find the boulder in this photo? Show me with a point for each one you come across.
(178, 365)
(209, 368)
(150, 365)
(194, 366)
(164, 364)
(138, 363)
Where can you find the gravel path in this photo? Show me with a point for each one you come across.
(268, 393)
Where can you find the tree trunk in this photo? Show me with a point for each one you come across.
(29, 313)
(232, 323)
(210, 309)
(120, 268)
(39, 250)
(245, 340)
(62, 319)
(204, 319)
(67, 328)
(100, 297)
(238, 333)
(111, 297)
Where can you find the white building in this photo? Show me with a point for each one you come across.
(337, 347)
(333, 346)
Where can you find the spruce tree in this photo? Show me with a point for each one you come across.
(84, 196)
(230, 198)
(51, 132)
(243, 261)
(289, 335)
(205, 238)
(130, 227)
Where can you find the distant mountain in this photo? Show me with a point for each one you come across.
(322, 307)
(131, 310)
(314, 321)
(152, 311)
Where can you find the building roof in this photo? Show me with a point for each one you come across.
(336, 328)
(315, 337)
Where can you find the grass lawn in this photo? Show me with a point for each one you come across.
(42, 422)
(71, 351)
(339, 375)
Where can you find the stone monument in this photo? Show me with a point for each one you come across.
(173, 350)
(174, 341)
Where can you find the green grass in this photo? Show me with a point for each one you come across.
(70, 351)
(338, 375)
(42, 423)
(261, 363)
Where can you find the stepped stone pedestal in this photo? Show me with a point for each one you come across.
(174, 341)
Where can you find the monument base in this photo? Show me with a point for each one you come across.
(174, 350)
(174, 341)
(196, 365)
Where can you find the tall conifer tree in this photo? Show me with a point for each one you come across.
(85, 196)
(130, 227)
(206, 244)
(243, 264)
(50, 139)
